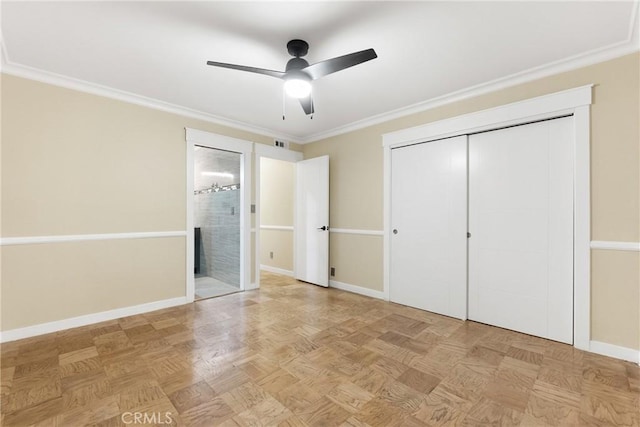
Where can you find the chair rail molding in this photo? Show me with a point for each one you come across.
(30, 240)
(356, 231)
(277, 227)
(615, 246)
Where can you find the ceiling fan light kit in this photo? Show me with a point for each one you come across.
(297, 84)
(298, 74)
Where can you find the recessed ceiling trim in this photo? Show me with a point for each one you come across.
(54, 79)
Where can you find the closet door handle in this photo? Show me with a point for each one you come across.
(395, 231)
(323, 228)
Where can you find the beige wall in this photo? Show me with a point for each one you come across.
(357, 259)
(356, 187)
(277, 181)
(280, 242)
(75, 163)
(615, 295)
(54, 281)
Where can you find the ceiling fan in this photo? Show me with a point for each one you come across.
(298, 74)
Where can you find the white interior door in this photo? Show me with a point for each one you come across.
(429, 226)
(521, 225)
(311, 227)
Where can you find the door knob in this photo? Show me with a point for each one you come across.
(323, 228)
(395, 231)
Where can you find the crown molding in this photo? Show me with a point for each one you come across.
(595, 56)
(54, 79)
(616, 50)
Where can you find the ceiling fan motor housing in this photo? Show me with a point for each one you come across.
(296, 64)
(297, 48)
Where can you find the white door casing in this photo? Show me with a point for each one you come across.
(211, 140)
(521, 225)
(429, 226)
(311, 221)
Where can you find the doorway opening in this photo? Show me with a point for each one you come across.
(220, 144)
(216, 220)
(275, 224)
(277, 187)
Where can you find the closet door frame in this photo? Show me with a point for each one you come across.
(575, 102)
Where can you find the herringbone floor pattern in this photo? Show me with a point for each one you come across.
(293, 354)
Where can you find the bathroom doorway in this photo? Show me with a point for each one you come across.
(216, 222)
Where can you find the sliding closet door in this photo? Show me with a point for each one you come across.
(521, 225)
(429, 223)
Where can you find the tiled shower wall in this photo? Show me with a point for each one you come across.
(218, 216)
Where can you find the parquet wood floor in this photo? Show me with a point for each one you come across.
(293, 354)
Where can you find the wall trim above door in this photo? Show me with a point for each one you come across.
(574, 102)
(220, 142)
(529, 110)
(287, 155)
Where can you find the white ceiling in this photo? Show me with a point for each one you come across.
(426, 50)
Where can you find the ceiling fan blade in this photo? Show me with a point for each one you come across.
(332, 65)
(272, 73)
(307, 105)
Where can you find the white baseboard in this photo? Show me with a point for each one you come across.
(276, 270)
(251, 286)
(356, 289)
(88, 319)
(615, 351)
